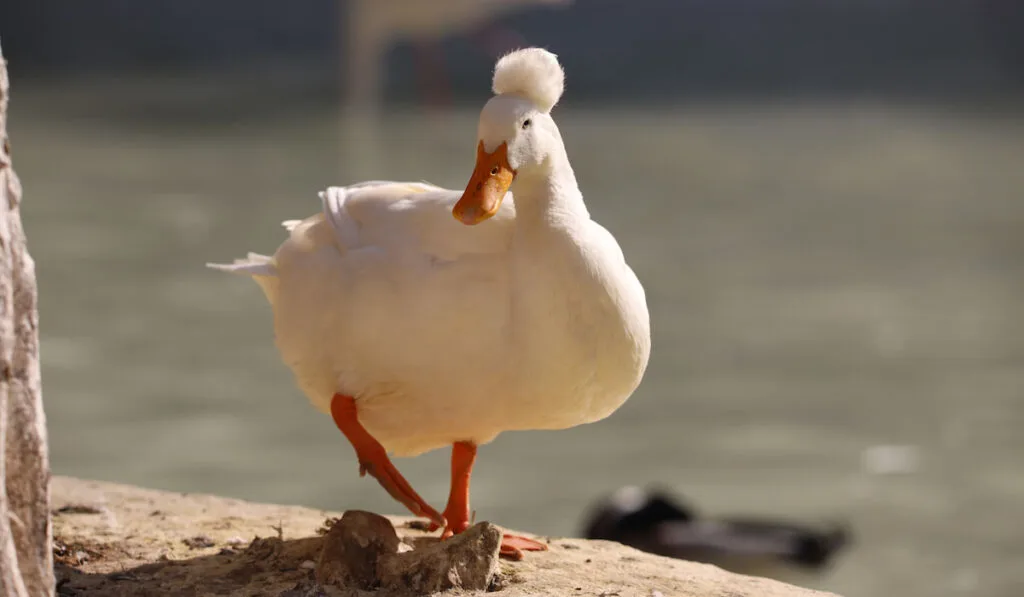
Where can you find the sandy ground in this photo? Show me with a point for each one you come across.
(118, 540)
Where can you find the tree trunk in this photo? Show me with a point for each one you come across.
(26, 557)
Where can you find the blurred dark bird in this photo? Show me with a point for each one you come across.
(654, 522)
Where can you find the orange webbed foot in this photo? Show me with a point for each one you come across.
(513, 546)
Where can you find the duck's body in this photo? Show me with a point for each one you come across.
(421, 331)
(447, 332)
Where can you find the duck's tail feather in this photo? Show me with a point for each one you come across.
(253, 264)
(260, 267)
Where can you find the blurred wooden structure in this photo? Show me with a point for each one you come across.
(374, 25)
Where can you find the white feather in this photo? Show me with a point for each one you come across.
(262, 268)
(533, 73)
(253, 265)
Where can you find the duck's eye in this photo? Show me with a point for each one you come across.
(494, 171)
(526, 123)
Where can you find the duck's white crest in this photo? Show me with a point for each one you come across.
(533, 73)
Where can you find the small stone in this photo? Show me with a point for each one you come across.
(467, 561)
(198, 542)
(235, 541)
(362, 551)
(308, 565)
(352, 548)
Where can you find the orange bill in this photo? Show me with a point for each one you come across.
(487, 187)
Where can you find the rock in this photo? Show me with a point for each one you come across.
(131, 553)
(362, 551)
(352, 549)
(26, 560)
(466, 561)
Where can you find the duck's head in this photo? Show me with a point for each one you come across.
(516, 136)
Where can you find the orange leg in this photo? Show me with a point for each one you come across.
(374, 459)
(457, 511)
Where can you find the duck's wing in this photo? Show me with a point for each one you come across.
(412, 218)
(407, 226)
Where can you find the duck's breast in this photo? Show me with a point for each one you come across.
(584, 337)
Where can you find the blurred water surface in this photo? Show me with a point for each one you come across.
(823, 278)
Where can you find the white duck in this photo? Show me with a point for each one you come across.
(416, 330)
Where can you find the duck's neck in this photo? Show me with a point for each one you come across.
(549, 197)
